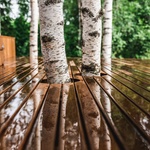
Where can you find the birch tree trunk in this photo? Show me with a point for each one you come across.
(91, 36)
(107, 30)
(80, 24)
(34, 33)
(52, 40)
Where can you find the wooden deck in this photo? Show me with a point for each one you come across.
(110, 112)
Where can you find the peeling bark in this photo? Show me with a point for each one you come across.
(52, 41)
(91, 37)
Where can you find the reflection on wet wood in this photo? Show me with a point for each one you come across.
(108, 112)
(51, 117)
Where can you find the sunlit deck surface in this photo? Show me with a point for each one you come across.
(110, 112)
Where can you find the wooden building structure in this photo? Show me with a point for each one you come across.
(7, 49)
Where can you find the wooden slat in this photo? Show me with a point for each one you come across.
(135, 69)
(16, 73)
(130, 80)
(10, 119)
(39, 96)
(128, 114)
(10, 86)
(131, 86)
(111, 111)
(128, 98)
(84, 128)
(23, 121)
(86, 100)
(51, 117)
(146, 135)
(16, 92)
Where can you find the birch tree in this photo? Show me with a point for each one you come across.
(80, 23)
(107, 30)
(34, 32)
(91, 36)
(52, 40)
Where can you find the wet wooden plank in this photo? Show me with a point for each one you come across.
(141, 70)
(39, 96)
(14, 110)
(18, 72)
(111, 111)
(60, 121)
(15, 131)
(18, 104)
(130, 111)
(130, 85)
(51, 117)
(92, 114)
(143, 133)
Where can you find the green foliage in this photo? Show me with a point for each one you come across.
(24, 8)
(22, 28)
(72, 28)
(131, 30)
(19, 27)
(5, 7)
(6, 21)
(7, 27)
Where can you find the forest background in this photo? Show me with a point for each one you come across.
(131, 28)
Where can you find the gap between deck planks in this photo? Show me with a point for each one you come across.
(107, 112)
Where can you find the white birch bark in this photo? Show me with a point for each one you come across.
(52, 40)
(107, 30)
(91, 37)
(34, 33)
(80, 23)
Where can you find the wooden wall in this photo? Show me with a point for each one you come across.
(7, 49)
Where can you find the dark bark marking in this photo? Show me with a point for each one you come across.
(46, 70)
(90, 68)
(107, 28)
(60, 23)
(100, 14)
(83, 53)
(83, 43)
(66, 69)
(48, 2)
(106, 33)
(91, 26)
(53, 61)
(106, 19)
(87, 11)
(95, 34)
(47, 39)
